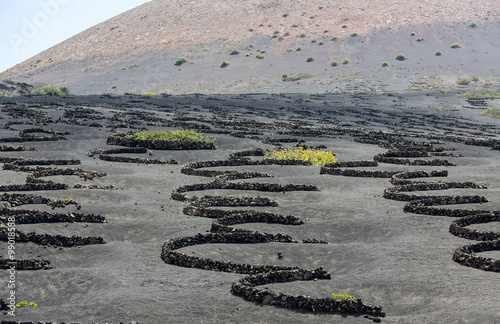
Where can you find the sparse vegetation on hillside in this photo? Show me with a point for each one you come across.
(346, 61)
(420, 39)
(483, 93)
(385, 64)
(438, 53)
(51, 90)
(298, 49)
(400, 57)
(335, 63)
(224, 64)
(492, 111)
(354, 34)
(473, 25)
(412, 34)
(334, 38)
(464, 81)
(234, 52)
(455, 45)
(321, 43)
(180, 60)
(260, 56)
(297, 77)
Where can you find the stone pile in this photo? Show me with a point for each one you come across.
(26, 264)
(55, 240)
(120, 139)
(8, 148)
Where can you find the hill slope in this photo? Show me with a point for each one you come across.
(135, 51)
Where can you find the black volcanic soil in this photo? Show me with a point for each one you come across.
(375, 251)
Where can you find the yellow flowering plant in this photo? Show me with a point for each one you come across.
(315, 157)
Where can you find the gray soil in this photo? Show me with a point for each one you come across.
(375, 251)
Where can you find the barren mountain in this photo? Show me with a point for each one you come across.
(136, 51)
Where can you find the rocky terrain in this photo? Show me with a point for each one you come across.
(109, 230)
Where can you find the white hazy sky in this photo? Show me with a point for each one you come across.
(28, 27)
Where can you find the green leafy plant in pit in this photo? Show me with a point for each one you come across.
(438, 53)
(297, 77)
(51, 90)
(180, 60)
(234, 52)
(455, 45)
(492, 111)
(385, 64)
(315, 157)
(25, 303)
(400, 57)
(346, 61)
(260, 56)
(310, 59)
(343, 297)
(179, 135)
(473, 25)
(484, 93)
(224, 64)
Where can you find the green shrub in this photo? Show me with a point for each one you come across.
(249, 46)
(247, 54)
(298, 76)
(412, 34)
(385, 64)
(313, 41)
(315, 157)
(438, 53)
(224, 64)
(475, 78)
(354, 34)
(321, 43)
(234, 52)
(400, 57)
(51, 90)
(284, 15)
(298, 49)
(179, 135)
(260, 56)
(290, 50)
(251, 29)
(295, 25)
(455, 45)
(420, 39)
(346, 61)
(335, 63)
(114, 86)
(344, 26)
(491, 111)
(473, 25)
(334, 38)
(464, 81)
(180, 61)
(302, 35)
(287, 34)
(310, 59)
(483, 93)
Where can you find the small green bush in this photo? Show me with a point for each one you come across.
(260, 56)
(180, 60)
(400, 57)
(313, 41)
(179, 135)
(483, 93)
(321, 43)
(475, 78)
(310, 59)
(335, 63)
(298, 49)
(491, 111)
(315, 157)
(224, 64)
(251, 29)
(284, 15)
(51, 90)
(346, 61)
(295, 25)
(298, 76)
(420, 39)
(438, 53)
(473, 25)
(334, 39)
(464, 81)
(344, 26)
(385, 64)
(302, 35)
(354, 34)
(455, 45)
(412, 34)
(249, 46)
(287, 34)
(234, 52)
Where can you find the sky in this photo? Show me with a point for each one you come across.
(28, 27)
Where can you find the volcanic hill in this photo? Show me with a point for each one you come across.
(277, 46)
